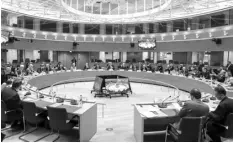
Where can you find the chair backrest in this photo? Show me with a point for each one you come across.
(158, 123)
(191, 128)
(229, 124)
(57, 117)
(29, 111)
(3, 111)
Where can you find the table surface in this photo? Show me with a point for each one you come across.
(48, 101)
(181, 82)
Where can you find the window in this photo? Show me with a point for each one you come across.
(92, 29)
(48, 26)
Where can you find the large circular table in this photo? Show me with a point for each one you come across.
(181, 82)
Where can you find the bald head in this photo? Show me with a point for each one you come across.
(195, 93)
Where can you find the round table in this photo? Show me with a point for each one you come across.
(181, 82)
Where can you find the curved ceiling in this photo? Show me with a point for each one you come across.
(115, 11)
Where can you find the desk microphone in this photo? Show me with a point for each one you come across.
(162, 105)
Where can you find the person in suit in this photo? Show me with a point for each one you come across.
(123, 66)
(73, 61)
(86, 67)
(41, 68)
(193, 108)
(160, 68)
(229, 67)
(144, 67)
(218, 117)
(48, 68)
(12, 100)
(139, 66)
(73, 67)
(110, 66)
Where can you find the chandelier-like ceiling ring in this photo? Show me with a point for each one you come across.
(121, 16)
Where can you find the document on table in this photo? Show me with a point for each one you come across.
(177, 106)
(150, 111)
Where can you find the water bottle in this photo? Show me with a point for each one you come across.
(81, 101)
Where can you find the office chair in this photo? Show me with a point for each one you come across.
(155, 128)
(58, 120)
(8, 117)
(31, 116)
(190, 130)
(229, 125)
(228, 133)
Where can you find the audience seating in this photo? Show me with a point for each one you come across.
(31, 116)
(190, 130)
(58, 120)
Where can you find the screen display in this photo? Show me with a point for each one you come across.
(117, 85)
(147, 44)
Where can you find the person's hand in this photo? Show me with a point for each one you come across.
(180, 103)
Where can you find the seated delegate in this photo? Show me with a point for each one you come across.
(10, 97)
(217, 118)
(86, 67)
(193, 108)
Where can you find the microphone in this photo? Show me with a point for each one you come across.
(162, 105)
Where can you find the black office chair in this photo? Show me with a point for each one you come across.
(58, 120)
(9, 117)
(155, 128)
(190, 130)
(31, 116)
(228, 133)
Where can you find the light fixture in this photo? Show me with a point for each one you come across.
(177, 30)
(225, 33)
(210, 34)
(162, 38)
(197, 35)
(34, 35)
(24, 34)
(173, 37)
(185, 37)
(189, 28)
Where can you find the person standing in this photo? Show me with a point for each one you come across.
(229, 67)
(74, 61)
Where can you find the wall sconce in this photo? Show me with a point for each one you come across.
(225, 33)
(197, 35)
(210, 34)
(162, 38)
(173, 37)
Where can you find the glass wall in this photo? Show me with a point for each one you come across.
(201, 22)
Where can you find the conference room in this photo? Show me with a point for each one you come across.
(116, 71)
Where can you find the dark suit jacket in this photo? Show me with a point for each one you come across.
(11, 98)
(86, 68)
(224, 108)
(230, 68)
(193, 109)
